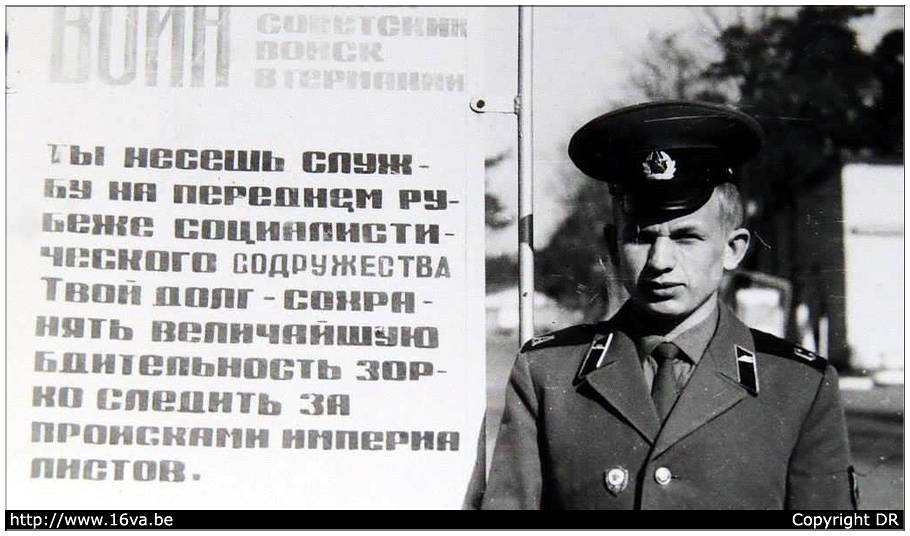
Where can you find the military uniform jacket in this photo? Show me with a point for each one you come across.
(759, 425)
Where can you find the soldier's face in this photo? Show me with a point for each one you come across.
(672, 267)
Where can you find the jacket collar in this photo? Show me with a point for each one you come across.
(620, 381)
(613, 370)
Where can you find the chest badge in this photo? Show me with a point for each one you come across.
(616, 479)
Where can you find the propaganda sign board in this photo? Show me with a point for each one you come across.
(245, 257)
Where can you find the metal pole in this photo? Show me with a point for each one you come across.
(525, 174)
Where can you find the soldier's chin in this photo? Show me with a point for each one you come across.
(665, 309)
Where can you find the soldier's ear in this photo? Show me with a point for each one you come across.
(611, 238)
(736, 248)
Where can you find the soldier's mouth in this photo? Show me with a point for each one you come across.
(660, 289)
(660, 284)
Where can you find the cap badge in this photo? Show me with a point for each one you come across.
(658, 166)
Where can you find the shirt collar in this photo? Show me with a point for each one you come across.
(693, 341)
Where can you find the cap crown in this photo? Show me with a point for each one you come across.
(670, 154)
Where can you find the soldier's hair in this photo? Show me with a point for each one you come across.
(731, 206)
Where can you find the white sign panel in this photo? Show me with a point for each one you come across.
(245, 257)
(873, 218)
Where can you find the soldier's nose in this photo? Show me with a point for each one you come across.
(662, 255)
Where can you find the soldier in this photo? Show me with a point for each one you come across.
(672, 403)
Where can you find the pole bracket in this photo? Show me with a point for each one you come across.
(495, 105)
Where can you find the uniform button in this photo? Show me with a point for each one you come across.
(662, 475)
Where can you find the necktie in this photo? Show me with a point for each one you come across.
(665, 390)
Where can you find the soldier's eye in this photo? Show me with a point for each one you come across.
(688, 236)
(641, 237)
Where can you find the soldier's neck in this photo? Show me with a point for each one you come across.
(671, 327)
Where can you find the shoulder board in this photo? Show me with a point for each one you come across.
(769, 344)
(580, 334)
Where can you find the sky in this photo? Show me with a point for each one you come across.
(582, 61)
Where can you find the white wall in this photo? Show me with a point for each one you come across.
(873, 197)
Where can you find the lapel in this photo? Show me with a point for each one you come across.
(714, 386)
(619, 381)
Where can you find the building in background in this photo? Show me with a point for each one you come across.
(502, 313)
(873, 236)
